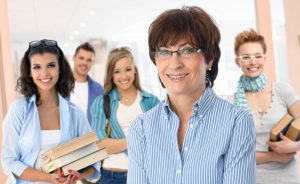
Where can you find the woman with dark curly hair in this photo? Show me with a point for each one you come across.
(43, 118)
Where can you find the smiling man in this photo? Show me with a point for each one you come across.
(86, 89)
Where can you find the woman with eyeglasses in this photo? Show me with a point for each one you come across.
(268, 103)
(126, 101)
(193, 136)
(42, 119)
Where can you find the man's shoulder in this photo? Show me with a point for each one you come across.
(94, 84)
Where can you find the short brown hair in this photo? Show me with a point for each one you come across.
(113, 57)
(192, 24)
(85, 46)
(249, 36)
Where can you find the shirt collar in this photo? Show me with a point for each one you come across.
(200, 107)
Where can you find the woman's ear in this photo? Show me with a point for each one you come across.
(237, 62)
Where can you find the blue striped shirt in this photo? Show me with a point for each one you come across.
(218, 147)
(98, 116)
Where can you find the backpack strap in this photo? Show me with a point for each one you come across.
(106, 107)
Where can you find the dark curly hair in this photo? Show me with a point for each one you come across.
(192, 24)
(25, 83)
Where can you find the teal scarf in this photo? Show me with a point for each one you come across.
(248, 84)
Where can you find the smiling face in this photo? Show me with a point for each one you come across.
(253, 67)
(83, 62)
(44, 71)
(182, 76)
(124, 74)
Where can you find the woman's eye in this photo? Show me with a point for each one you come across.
(36, 67)
(52, 65)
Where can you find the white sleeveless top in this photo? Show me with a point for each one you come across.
(125, 115)
(50, 139)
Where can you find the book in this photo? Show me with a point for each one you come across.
(293, 132)
(85, 161)
(70, 157)
(281, 127)
(70, 146)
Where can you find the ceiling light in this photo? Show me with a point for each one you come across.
(75, 32)
(82, 24)
(92, 13)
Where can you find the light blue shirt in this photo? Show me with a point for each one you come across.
(218, 147)
(147, 102)
(22, 134)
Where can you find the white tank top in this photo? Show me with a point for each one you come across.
(50, 139)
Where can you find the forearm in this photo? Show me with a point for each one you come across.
(264, 157)
(113, 145)
(31, 174)
(87, 172)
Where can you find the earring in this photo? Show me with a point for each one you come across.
(209, 69)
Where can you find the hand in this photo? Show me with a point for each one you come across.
(283, 158)
(285, 145)
(59, 178)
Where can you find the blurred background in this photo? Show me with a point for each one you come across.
(114, 23)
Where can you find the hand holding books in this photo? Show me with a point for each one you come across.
(74, 155)
(284, 135)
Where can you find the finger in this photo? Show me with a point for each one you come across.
(282, 137)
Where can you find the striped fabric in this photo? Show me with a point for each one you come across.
(219, 145)
(98, 116)
(246, 83)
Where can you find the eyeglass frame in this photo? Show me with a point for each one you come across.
(45, 42)
(179, 52)
(252, 57)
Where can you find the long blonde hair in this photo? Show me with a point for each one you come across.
(114, 56)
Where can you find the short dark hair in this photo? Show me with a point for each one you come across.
(249, 36)
(85, 46)
(192, 24)
(25, 83)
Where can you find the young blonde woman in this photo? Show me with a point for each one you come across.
(268, 103)
(127, 100)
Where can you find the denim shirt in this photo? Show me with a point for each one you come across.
(147, 102)
(22, 134)
(94, 90)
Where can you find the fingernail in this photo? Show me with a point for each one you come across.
(69, 170)
(62, 175)
(76, 178)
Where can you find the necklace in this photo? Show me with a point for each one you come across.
(126, 99)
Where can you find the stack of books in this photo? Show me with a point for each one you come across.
(76, 154)
(288, 126)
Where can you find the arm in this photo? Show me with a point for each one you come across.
(113, 145)
(12, 166)
(285, 145)
(240, 158)
(136, 156)
(265, 157)
(98, 124)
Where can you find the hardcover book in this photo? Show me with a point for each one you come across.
(70, 157)
(70, 146)
(281, 127)
(293, 132)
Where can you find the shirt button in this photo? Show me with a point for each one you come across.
(200, 115)
(178, 171)
(186, 149)
(191, 126)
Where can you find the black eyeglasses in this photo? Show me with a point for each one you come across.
(184, 53)
(45, 42)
